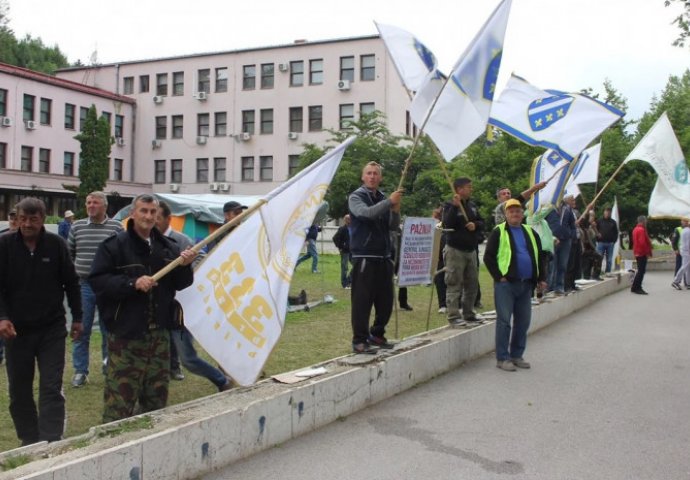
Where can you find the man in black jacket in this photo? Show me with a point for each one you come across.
(462, 224)
(341, 239)
(607, 237)
(37, 272)
(137, 310)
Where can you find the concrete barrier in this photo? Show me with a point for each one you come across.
(188, 440)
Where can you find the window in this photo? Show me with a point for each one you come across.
(204, 80)
(249, 77)
(46, 111)
(316, 72)
(367, 65)
(128, 85)
(178, 84)
(177, 126)
(203, 121)
(27, 159)
(3, 155)
(176, 170)
(119, 126)
(293, 165)
(159, 171)
(221, 79)
(108, 117)
(202, 170)
(29, 101)
(117, 169)
(143, 83)
(161, 84)
(366, 109)
(347, 68)
(3, 102)
(69, 116)
(347, 115)
(248, 121)
(247, 169)
(83, 112)
(297, 74)
(267, 75)
(68, 164)
(44, 160)
(315, 118)
(267, 120)
(219, 169)
(296, 119)
(161, 128)
(220, 122)
(266, 168)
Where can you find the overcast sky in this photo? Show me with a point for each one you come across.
(561, 44)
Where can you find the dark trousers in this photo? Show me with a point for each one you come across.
(402, 296)
(372, 286)
(591, 264)
(639, 276)
(440, 282)
(44, 347)
(574, 265)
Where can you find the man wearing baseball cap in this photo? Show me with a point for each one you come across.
(514, 259)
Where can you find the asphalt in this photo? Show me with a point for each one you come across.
(607, 397)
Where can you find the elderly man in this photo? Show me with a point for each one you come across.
(607, 237)
(514, 259)
(37, 272)
(642, 249)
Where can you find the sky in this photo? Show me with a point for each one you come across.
(566, 45)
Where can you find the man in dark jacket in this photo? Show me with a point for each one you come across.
(514, 259)
(607, 237)
(462, 224)
(562, 224)
(37, 272)
(341, 239)
(137, 310)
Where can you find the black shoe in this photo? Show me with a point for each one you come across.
(406, 307)
(380, 342)
(364, 348)
(639, 292)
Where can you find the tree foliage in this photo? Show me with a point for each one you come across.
(94, 163)
(682, 21)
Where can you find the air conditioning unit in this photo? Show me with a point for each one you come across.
(245, 136)
(201, 140)
(213, 187)
(156, 144)
(158, 99)
(31, 125)
(224, 186)
(344, 85)
(292, 135)
(174, 187)
(201, 96)
(6, 122)
(119, 141)
(283, 67)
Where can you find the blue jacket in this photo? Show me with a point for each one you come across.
(562, 223)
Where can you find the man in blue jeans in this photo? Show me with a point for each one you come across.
(514, 259)
(607, 237)
(312, 234)
(562, 224)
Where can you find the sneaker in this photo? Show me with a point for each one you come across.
(639, 292)
(406, 307)
(456, 322)
(380, 342)
(347, 287)
(229, 384)
(364, 348)
(79, 380)
(442, 310)
(176, 374)
(506, 365)
(676, 285)
(520, 362)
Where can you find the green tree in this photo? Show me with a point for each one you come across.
(682, 21)
(94, 159)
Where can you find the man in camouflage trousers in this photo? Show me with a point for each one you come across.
(138, 310)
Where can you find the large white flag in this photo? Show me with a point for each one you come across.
(460, 114)
(412, 59)
(236, 306)
(660, 148)
(585, 170)
(617, 245)
(550, 167)
(565, 122)
(664, 204)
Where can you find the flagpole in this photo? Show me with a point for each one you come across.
(596, 197)
(220, 231)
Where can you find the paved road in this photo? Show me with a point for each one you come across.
(608, 397)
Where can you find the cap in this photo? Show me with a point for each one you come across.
(512, 203)
(69, 213)
(232, 206)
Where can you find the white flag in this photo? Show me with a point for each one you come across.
(552, 168)
(660, 148)
(663, 204)
(412, 59)
(236, 306)
(617, 245)
(463, 106)
(585, 170)
(565, 122)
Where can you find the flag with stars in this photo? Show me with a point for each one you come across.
(564, 122)
(456, 116)
(550, 167)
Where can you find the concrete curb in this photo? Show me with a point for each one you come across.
(195, 438)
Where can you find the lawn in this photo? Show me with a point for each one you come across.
(308, 338)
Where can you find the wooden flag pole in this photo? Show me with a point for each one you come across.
(608, 182)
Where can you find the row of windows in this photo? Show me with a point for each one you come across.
(204, 174)
(44, 160)
(219, 76)
(266, 121)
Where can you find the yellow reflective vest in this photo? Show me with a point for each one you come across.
(505, 252)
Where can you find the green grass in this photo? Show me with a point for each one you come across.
(308, 338)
